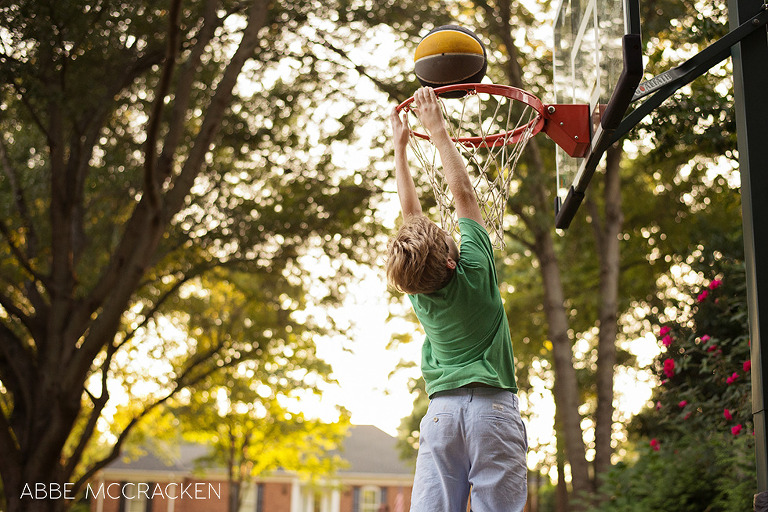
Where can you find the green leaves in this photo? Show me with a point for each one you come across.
(153, 260)
(695, 446)
(709, 388)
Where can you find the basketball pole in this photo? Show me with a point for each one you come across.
(750, 75)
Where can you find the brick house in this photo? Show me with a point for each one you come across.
(375, 480)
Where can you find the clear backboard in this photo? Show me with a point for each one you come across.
(591, 40)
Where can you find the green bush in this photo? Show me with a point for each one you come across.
(716, 475)
(695, 445)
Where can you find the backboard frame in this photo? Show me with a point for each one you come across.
(605, 116)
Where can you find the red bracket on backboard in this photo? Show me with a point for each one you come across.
(568, 126)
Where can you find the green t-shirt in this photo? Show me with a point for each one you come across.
(468, 336)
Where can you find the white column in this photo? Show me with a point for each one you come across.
(172, 502)
(335, 501)
(296, 496)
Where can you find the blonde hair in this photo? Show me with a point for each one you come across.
(416, 257)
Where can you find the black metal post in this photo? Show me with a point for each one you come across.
(750, 73)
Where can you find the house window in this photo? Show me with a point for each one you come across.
(248, 496)
(370, 499)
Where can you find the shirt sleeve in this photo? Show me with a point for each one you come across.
(476, 248)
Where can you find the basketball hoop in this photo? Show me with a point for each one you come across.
(491, 125)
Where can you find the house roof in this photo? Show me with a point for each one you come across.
(367, 449)
(175, 458)
(372, 451)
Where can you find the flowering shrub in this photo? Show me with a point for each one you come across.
(705, 367)
(699, 428)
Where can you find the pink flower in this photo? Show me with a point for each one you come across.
(702, 296)
(667, 340)
(747, 366)
(727, 414)
(705, 338)
(714, 284)
(669, 367)
(682, 403)
(687, 416)
(664, 330)
(658, 406)
(736, 430)
(655, 444)
(732, 378)
(711, 348)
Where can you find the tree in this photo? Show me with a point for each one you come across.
(145, 146)
(239, 412)
(251, 434)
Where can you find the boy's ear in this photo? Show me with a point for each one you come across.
(450, 263)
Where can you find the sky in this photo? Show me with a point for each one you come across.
(369, 385)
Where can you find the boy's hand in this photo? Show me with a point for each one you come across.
(429, 112)
(400, 131)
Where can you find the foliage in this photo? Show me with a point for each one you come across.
(696, 449)
(250, 433)
(705, 369)
(714, 475)
(409, 429)
(156, 155)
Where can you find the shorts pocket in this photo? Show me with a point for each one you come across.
(500, 420)
(438, 426)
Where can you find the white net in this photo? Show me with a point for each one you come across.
(490, 161)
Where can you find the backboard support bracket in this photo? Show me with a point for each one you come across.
(568, 126)
(666, 84)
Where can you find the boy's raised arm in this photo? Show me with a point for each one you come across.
(428, 110)
(406, 190)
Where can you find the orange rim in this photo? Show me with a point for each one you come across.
(497, 139)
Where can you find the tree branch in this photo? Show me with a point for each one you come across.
(95, 414)
(148, 315)
(182, 94)
(392, 91)
(151, 182)
(11, 461)
(19, 199)
(31, 110)
(521, 240)
(20, 257)
(181, 383)
(257, 14)
(13, 310)
(17, 371)
(145, 228)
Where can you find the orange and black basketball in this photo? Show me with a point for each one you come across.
(450, 55)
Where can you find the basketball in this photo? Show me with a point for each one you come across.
(450, 55)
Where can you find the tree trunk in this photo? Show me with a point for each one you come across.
(566, 386)
(609, 254)
(534, 488)
(566, 389)
(561, 491)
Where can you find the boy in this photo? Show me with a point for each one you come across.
(472, 439)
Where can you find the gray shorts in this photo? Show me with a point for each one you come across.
(472, 442)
